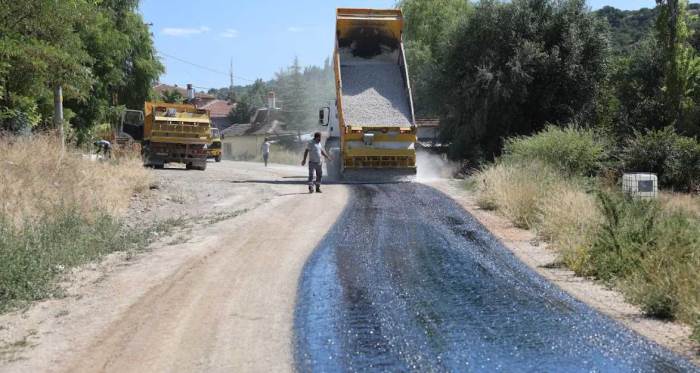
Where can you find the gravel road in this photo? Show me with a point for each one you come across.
(408, 281)
(216, 295)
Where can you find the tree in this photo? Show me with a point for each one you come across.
(101, 52)
(292, 92)
(513, 67)
(173, 97)
(242, 111)
(429, 24)
(681, 64)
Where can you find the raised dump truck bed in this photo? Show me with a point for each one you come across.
(372, 125)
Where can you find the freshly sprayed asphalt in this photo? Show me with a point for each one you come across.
(406, 280)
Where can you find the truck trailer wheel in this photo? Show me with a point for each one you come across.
(217, 158)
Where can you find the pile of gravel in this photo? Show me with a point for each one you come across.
(375, 94)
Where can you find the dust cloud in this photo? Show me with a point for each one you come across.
(434, 167)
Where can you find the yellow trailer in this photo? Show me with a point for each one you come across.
(178, 133)
(371, 124)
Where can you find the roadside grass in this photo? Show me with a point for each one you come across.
(59, 210)
(647, 249)
(35, 176)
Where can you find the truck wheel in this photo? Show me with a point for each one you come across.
(202, 166)
(159, 166)
(189, 166)
(218, 158)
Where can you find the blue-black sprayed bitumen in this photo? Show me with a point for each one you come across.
(407, 280)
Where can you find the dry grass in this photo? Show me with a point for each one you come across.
(515, 190)
(568, 218)
(34, 176)
(680, 202)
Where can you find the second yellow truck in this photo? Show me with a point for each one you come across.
(178, 133)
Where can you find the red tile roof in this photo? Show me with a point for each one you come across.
(218, 108)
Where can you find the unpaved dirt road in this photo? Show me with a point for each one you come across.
(221, 300)
(259, 276)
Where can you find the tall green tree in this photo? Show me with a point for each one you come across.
(429, 25)
(681, 64)
(100, 52)
(513, 67)
(292, 92)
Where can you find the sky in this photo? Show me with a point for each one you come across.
(197, 40)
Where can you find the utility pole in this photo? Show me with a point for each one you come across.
(58, 114)
(231, 94)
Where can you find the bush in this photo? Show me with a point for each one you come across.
(625, 235)
(682, 167)
(674, 158)
(570, 150)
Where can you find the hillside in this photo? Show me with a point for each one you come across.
(630, 26)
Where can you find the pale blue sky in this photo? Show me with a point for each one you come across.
(261, 36)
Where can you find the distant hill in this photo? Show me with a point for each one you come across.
(630, 26)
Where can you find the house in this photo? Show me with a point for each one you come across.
(243, 141)
(218, 112)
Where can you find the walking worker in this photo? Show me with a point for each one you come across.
(314, 151)
(266, 150)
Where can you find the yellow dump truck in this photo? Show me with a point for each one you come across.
(177, 133)
(214, 149)
(371, 125)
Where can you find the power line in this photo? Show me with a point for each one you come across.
(203, 67)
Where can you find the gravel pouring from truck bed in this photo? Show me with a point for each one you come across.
(374, 94)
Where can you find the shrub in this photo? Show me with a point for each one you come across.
(682, 167)
(624, 236)
(674, 158)
(570, 150)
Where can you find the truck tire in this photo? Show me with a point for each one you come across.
(218, 158)
(159, 166)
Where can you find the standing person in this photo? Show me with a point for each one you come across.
(266, 150)
(314, 150)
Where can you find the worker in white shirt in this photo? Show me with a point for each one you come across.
(266, 150)
(314, 151)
